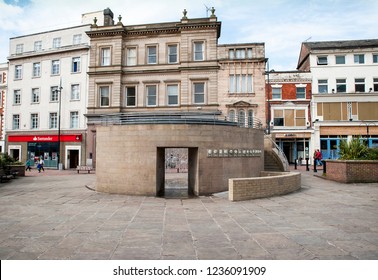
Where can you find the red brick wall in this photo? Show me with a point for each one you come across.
(352, 171)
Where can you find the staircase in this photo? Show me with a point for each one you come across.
(274, 158)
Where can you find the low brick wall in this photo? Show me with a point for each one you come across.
(352, 171)
(269, 184)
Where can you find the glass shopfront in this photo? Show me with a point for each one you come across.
(47, 150)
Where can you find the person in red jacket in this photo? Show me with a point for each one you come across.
(318, 157)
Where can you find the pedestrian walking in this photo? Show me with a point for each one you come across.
(28, 164)
(41, 163)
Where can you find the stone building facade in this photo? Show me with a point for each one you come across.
(170, 85)
(172, 68)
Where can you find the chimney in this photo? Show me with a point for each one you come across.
(108, 17)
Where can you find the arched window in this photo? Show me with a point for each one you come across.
(250, 118)
(241, 118)
(231, 116)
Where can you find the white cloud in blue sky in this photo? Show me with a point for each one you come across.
(281, 24)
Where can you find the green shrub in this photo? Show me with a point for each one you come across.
(372, 154)
(354, 149)
(5, 160)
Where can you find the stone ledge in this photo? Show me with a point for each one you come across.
(267, 185)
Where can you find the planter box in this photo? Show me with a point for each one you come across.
(18, 168)
(352, 171)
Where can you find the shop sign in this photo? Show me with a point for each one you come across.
(45, 138)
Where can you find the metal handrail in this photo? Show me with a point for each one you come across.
(174, 117)
(279, 152)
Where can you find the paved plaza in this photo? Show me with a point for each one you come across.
(57, 215)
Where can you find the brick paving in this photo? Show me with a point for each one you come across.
(55, 215)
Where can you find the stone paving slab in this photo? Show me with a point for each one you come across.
(53, 215)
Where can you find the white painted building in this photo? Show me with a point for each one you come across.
(344, 91)
(47, 94)
(3, 93)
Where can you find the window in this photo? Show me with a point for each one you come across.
(18, 72)
(240, 53)
(375, 58)
(341, 85)
(250, 118)
(340, 59)
(53, 120)
(199, 93)
(172, 54)
(198, 51)
(76, 39)
(76, 64)
(54, 94)
(37, 69)
(359, 85)
(75, 92)
(241, 83)
(231, 116)
(375, 84)
(104, 96)
(17, 97)
(323, 86)
(300, 117)
(151, 94)
(16, 122)
(130, 96)
(55, 67)
(231, 54)
(74, 119)
(276, 92)
(37, 46)
(359, 59)
(322, 60)
(56, 43)
(151, 55)
(278, 119)
(19, 48)
(34, 121)
(172, 94)
(301, 92)
(131, 57)
(105, 56)
(241, 118)
(35, 95)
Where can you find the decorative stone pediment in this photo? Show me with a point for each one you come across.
(241, 104)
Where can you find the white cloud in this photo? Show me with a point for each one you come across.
(282, 24)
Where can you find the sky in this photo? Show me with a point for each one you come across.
(281, 24)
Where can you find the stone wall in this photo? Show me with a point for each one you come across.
(269, 184)
(130, 158)
(352, 171)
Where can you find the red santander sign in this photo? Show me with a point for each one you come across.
(45, 138)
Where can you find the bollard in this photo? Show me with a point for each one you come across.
(307, 168)
(324, 166)
(295, 164)
(315, 170)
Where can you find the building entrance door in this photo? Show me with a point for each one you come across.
(176, 172)
(73, 158)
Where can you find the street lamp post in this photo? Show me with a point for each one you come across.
(268, 99)
(59, 90)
